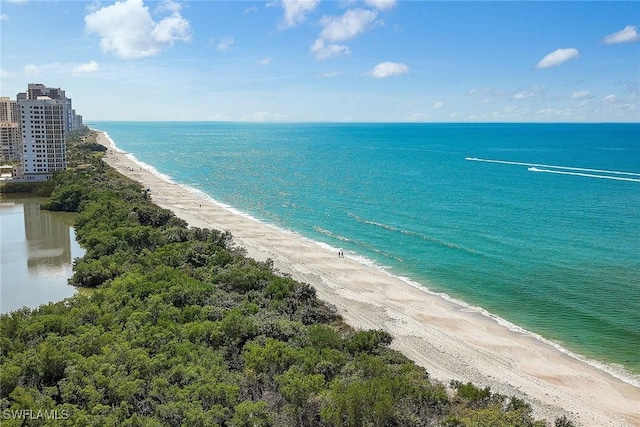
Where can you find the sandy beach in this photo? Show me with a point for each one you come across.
(451, 341)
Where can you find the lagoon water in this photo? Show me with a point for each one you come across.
(538, 224)
(36, 253)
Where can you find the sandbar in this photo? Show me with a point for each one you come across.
(451, 341)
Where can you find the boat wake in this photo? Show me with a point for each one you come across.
(567, 170)
(588, 175)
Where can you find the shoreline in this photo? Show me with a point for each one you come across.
(452, 340)
(617, 371)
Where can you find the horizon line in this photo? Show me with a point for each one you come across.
(364, 122)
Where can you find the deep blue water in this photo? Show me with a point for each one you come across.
(553, 250)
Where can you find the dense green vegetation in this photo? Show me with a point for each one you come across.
(185, 330)
(43, 188)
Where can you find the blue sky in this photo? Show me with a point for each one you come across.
(382, 60)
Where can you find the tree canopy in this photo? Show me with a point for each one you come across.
(185, 330)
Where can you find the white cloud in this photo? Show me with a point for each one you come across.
(580, 94)
(535, 91)
(347, 26)
(482, 91)
(323, 51)
(170, 29)
(340, 28)
(627, 35)
(509, 109)
(89, 67)
(557, 57)
(558, 113)
(295, 11)
(4, 74)
(609, 98)
(264, 61)
(388, 69)
(523, 94)
(31, 70)
(438, 104)
(225, 44)
(381, 4)
(128, 31)
(169, 6)
(60, 68)
(4, 17)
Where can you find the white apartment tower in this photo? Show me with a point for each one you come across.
(45, 121)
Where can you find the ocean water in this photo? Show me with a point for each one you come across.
(538, 224)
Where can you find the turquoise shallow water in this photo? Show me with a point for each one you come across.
(548, 240)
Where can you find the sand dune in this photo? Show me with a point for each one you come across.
(451, 341)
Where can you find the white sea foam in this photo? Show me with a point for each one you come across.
(201, 194)
(333, 235)
(588, 175)
(536, 165)
(150, 168)
(112, 142)
(139, 162)
(414, 234)
(357, 243)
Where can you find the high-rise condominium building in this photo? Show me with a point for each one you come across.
(34, 128)
(44, 123)
(10, 137)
